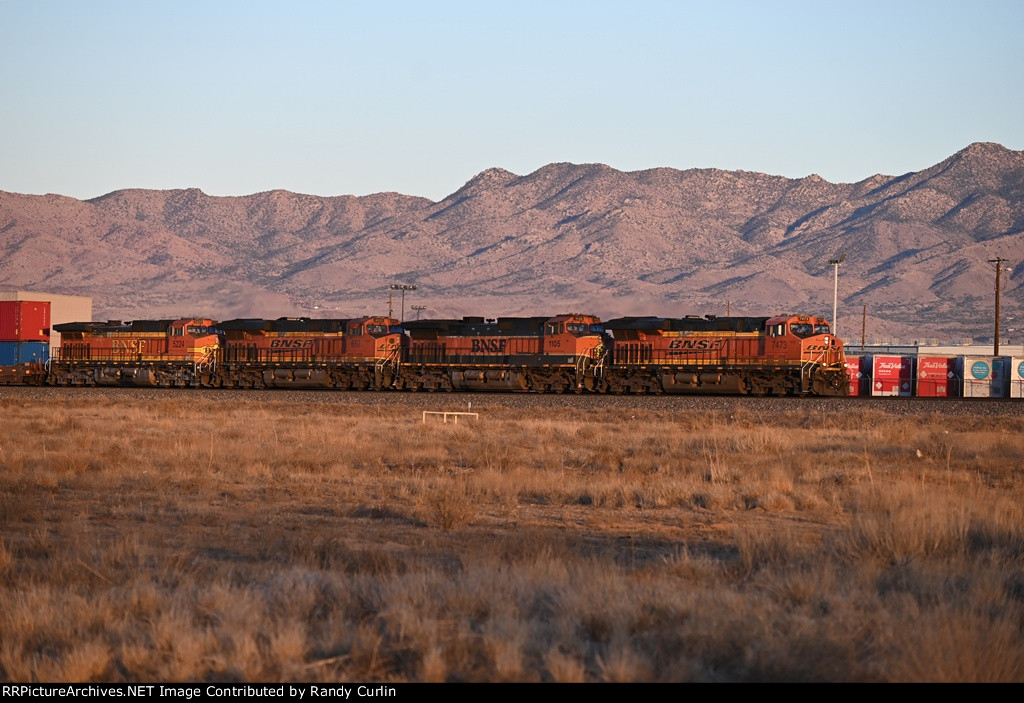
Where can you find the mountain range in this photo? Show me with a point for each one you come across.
(567, 237)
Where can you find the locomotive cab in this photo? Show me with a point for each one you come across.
(809, 339)
(195, 338)
(573, 336)
(803, 337)
(374, 338)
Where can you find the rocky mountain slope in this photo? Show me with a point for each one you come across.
(565, 237)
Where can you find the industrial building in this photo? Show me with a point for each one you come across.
(63, 308)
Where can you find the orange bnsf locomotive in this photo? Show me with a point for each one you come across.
(556, 354)
(302, 353)
(142, 353)
(787, 355)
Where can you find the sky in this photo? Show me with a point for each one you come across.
(336, 98)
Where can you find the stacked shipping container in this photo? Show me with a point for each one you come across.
(984, 376)
(858, 379)
(937, 377)
(891, 375)
(1017, 377)
(24, 332)
(964, 376)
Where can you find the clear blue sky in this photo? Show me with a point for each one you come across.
(340, 97)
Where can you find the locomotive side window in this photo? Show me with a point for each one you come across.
(177, 331)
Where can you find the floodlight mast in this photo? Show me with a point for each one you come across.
(402, 287)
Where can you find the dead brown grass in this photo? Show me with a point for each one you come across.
(270, 541)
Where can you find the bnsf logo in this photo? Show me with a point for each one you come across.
(494, 346)
(701, 344)
(290, 343)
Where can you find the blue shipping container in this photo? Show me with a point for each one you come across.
(14, 353)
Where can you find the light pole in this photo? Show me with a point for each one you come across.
(835, 291)
(418, 309)
(402, 287)
(998, 261)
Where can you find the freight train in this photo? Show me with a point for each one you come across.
(569, 353)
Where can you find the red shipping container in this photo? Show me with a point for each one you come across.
(892, 375)
(936, 377)
(854, 373)
(24, 321)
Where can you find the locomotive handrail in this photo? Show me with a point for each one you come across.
(581, 367)
(393, 356)
(807, 367)
(208, 361)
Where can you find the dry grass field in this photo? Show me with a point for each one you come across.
(160, 536)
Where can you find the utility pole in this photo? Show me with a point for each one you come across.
(835, 292)
(390, 311)
(863, 327)
(998, 261)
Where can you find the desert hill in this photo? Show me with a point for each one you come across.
(565, 237)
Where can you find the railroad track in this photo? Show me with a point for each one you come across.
(484, 401)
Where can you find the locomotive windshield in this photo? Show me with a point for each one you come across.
(808, 330)
(573, 328)
(377, 330)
